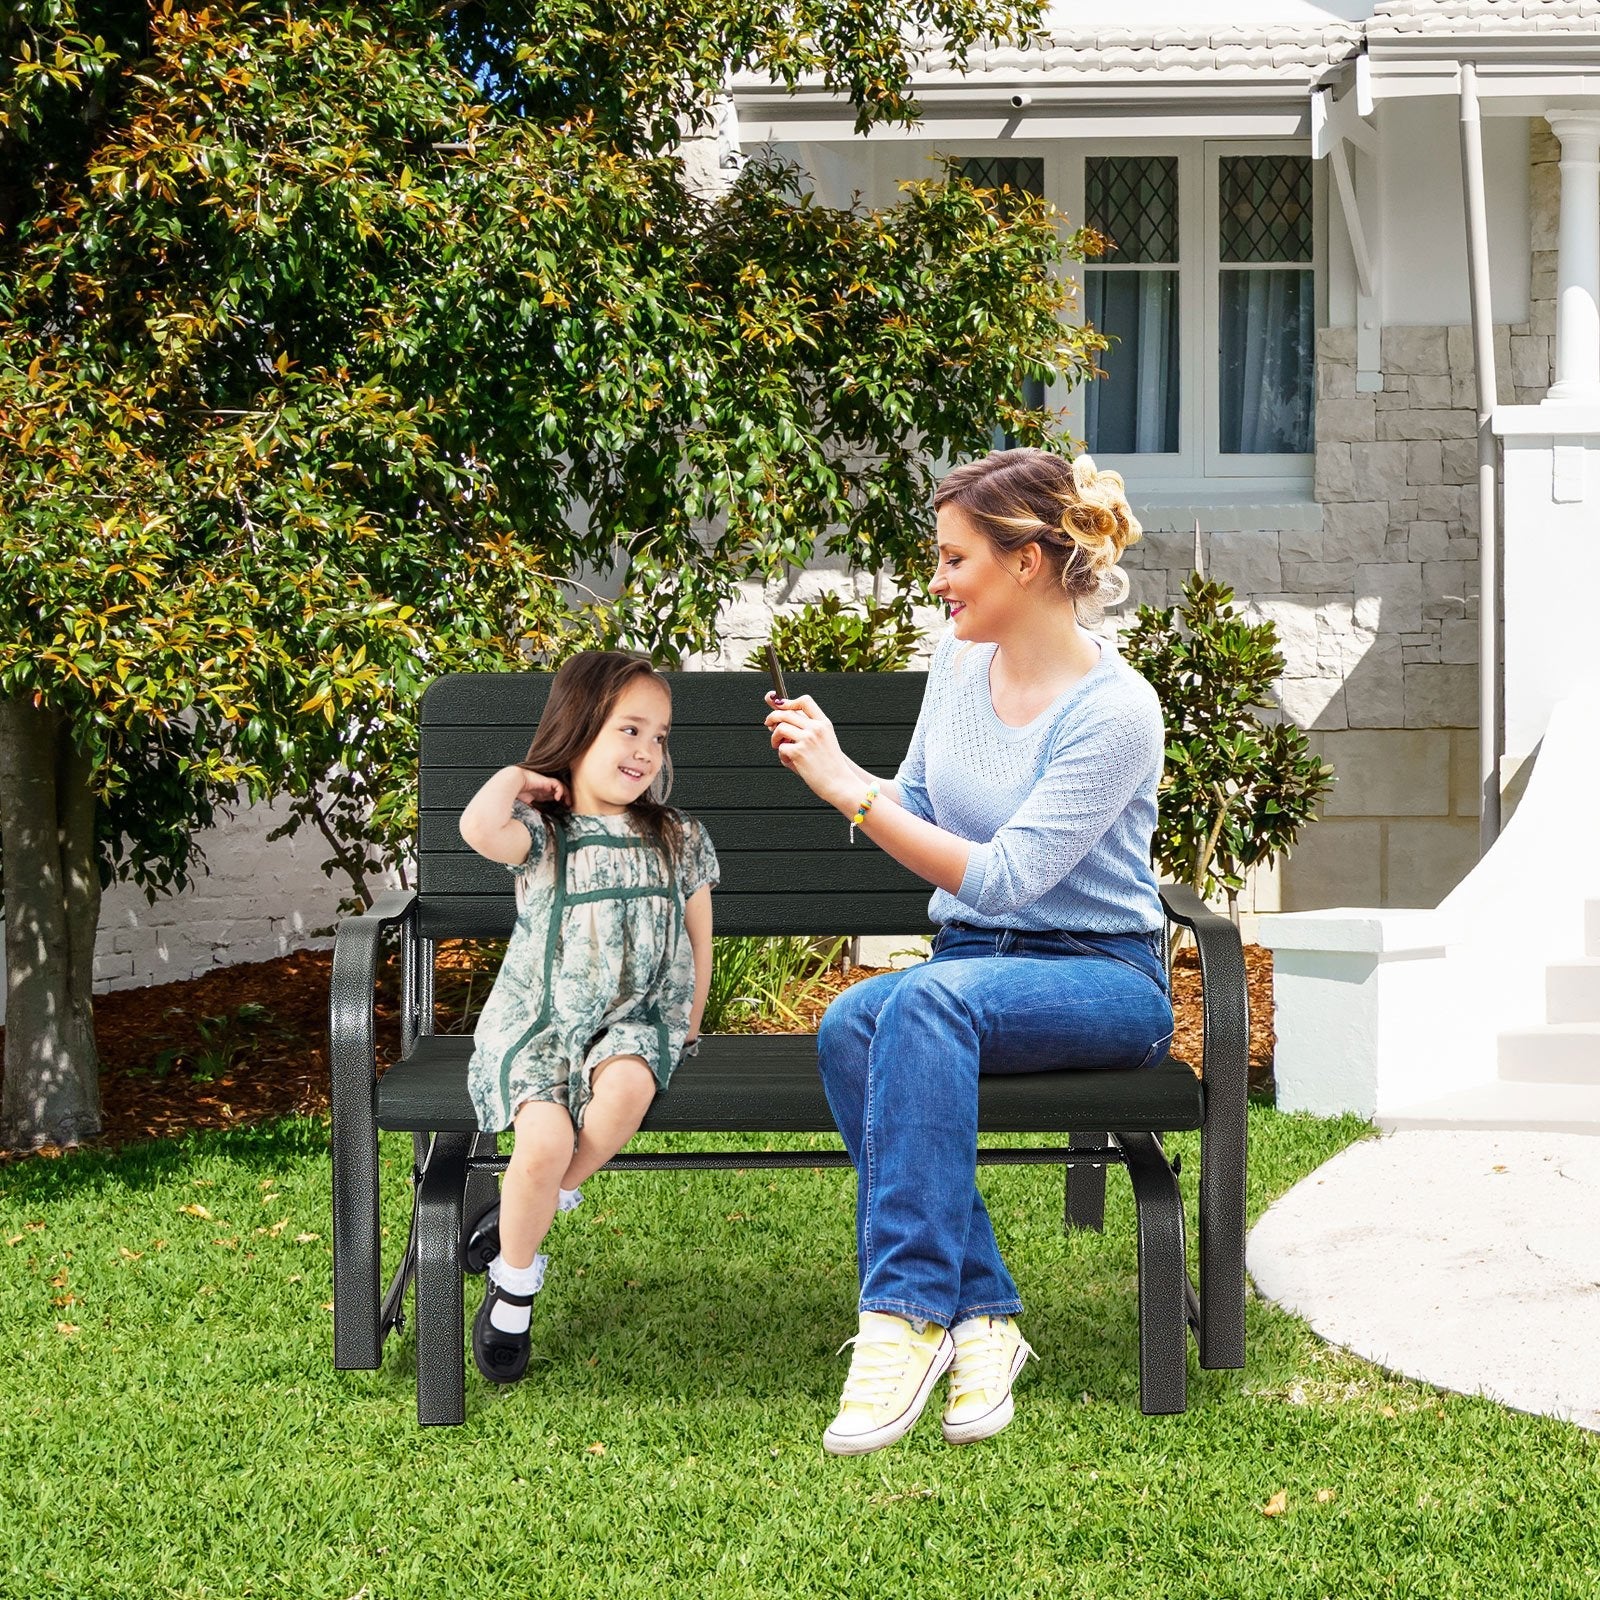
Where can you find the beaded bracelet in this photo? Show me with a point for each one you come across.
(862, 810)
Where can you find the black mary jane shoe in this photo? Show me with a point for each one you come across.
(501, 1357)
(480, 1240)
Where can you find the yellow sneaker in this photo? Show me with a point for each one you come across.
(892, 1373)
(990, 1352)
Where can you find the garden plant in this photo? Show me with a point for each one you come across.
(336, 338)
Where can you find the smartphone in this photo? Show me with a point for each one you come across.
(777, 674)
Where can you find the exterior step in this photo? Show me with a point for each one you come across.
(1506, 1107)
(1572, 991)
(1561, 1052)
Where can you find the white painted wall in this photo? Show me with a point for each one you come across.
(257, 901)
(1424, 228)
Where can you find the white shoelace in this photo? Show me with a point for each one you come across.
(983, 1363)
(876, 1368)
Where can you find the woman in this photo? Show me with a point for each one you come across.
(1028, 799)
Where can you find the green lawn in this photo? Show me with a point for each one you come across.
(191, 1438)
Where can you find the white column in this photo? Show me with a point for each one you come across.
(1577, 365)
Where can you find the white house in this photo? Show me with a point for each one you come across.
(1356, 297)
(1297, 368)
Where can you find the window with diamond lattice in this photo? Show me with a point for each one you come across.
(1009, 176)
(1133, 201)
(1022, 175)
(1131, 296)
(1266, 310)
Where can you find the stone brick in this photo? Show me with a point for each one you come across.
(1381, 775)
(1448, 581)
(1379, 471)
(1246, 561)
(1441, 696)
(1396, 382)
(110, 968)
(1459, 460)
(1464, 781)
(1464, 389)
(1544, 206)
(1419, 351)
(1301, 544)
(1542, 318)
(1412, 653)
(1335, 380)
(1427, 541)
(1337, 345)
(1374, 683)
(1312, 702)
(1458, 642)
(1431, 391)
(1425, 860)
(1389, 597)
(1530, 361)
(1434, 424)
(1393, 400)
(1355, 531)
(1295, 618)
(1334, 863)
(1424, 462)
(1334, 478)
(1335, 625)
(1458, 349)
(1350, 420)
(1319, 577)
(1438, 504)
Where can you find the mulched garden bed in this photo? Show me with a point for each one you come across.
(248, 1043)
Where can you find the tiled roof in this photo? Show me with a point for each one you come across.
(1165, 50)
(1392, 19)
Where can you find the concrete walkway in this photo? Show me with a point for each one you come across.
(1469, 1260)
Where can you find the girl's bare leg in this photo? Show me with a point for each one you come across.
(623, 1087)
(528, 1193)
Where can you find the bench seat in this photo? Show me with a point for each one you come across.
(768, 1083)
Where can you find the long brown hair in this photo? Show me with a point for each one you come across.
(1077, 515)
(582, 695)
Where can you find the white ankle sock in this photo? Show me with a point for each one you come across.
(568, 1199)
(517, 1280)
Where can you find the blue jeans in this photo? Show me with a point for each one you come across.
(901, 1054)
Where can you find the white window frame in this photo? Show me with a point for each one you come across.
(1198, 466)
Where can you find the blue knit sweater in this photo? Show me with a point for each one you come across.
(1060, 812)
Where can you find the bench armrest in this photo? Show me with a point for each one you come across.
(1225, 1002)
(353, 1081)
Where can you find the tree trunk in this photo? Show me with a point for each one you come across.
(52, 904)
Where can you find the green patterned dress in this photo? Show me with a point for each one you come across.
(599, 964)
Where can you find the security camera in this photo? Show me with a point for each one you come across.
(1021, 100)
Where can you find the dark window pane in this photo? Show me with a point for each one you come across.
(1266, 208)
(1266, 340)
(1134, 408)
(1133, 200)
(1020, 174)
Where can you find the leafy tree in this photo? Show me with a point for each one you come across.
(335, 338)
(1236, 790)
(827, 635)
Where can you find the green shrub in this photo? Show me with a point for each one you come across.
(759, 979)
(828, 636)
(1236, 790)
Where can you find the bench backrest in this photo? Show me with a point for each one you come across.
(787, 866)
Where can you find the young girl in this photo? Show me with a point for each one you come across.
(605, 978)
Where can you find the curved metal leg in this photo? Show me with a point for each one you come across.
(441, 1378)
(1163, 1277)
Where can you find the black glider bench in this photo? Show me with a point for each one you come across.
(786, 869)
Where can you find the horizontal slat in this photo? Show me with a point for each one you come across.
(768, 1083)
(697, 697)
(451, 916)
(756, 789)
(486, 750)
(819, 828)
(841, 871)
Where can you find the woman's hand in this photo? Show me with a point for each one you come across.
(536, 786)
(807, 745)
